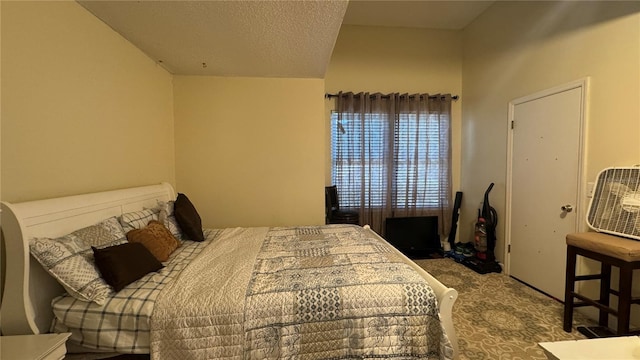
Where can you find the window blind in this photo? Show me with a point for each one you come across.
(409, 147)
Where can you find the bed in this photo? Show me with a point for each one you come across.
(270, 292)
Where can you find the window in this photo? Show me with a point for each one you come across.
(378, 160)
(391, 156)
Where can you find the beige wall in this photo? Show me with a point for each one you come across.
(388, 59)
(83, 110)
(519, 48)
(249, 151)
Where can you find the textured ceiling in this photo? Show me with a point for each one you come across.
(453, 15)
(231, 38)
(263, 38)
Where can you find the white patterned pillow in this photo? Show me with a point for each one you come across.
(167, 217)
(138, 219)
(102, 235)
(69, 259)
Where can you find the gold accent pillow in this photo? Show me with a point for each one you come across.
(156, 238)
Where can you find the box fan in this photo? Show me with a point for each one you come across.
(615, 205)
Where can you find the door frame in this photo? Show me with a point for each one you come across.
(581, 196)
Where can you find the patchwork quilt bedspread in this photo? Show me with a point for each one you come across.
(330, 292)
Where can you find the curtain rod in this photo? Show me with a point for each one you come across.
(453, 97)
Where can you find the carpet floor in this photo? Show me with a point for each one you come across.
(498, 317)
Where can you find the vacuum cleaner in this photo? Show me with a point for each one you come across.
(484, 242)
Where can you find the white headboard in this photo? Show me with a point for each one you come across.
(29, 289)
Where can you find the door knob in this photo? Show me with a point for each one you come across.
(567, 208)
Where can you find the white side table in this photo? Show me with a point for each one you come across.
(34, 347)
(619, 348)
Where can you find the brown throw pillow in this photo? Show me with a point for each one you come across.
(156, 238)
(188, 218)
(123, 264)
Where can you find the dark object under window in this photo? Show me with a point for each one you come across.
(416, 237)
(334, 214)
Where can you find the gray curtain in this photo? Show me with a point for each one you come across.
(391, 156)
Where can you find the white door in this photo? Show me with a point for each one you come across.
(545, 177)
